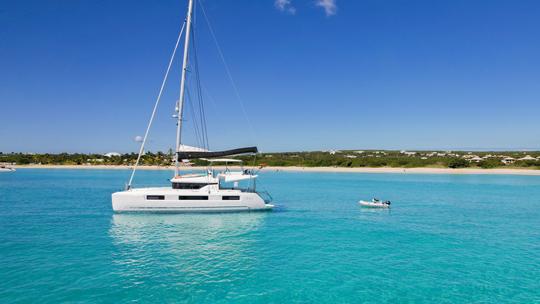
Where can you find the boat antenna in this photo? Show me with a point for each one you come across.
(141, 150)
(180, 106)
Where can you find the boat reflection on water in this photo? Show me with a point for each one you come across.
(374, 214)
(184, 247)
(142, 227)
(182, 229)
(376, 210)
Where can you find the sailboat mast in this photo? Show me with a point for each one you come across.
(180, 106)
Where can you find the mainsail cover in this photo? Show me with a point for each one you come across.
(202, 154)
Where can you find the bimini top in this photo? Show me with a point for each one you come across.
(204, 154)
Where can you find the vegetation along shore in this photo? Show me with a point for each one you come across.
(332, 159)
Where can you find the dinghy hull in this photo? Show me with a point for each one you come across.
(373, 205)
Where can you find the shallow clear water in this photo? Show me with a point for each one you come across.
(447, 239)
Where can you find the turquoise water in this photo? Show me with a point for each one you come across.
(447, 239)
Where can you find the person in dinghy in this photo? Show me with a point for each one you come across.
(378, 201)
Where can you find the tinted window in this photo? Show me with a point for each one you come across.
(193, 197)
(155, 197)
(188, 185)
(231, 198)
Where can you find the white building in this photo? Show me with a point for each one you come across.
(508, 160)
(95, 160)
(111, 154)
(527, 157)
(476, 159)
(407, 153)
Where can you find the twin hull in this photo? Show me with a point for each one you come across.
(174, 200)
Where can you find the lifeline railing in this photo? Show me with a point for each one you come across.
(265, 196)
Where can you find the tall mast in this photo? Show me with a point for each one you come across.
(180, 106)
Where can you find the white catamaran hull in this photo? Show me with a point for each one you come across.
(172, 200)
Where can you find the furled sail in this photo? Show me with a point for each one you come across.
(202, 154)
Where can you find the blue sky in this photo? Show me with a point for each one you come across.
(82, 76)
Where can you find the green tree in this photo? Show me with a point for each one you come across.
(458, 163)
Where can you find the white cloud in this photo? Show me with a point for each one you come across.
(329, 6)
(138, 138)
(285, 6)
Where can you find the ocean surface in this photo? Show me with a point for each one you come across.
(447, 239)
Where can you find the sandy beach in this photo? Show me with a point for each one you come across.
(310, 169)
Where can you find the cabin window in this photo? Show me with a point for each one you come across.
(155, 197)
(193, 197)
(231, 198)
(188, 185)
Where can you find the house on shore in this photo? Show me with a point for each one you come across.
(508, 160)
(527, 157)
(408, 153)
(111, 154)
(475, 159)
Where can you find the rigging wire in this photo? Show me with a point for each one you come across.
(201, 133)
(233, 84)
(202, 114)
(141, 150)
(195, 124)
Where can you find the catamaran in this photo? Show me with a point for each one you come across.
(210, 191)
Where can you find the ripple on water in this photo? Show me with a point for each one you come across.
(447, 239)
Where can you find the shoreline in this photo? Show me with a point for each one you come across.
(382, 170)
